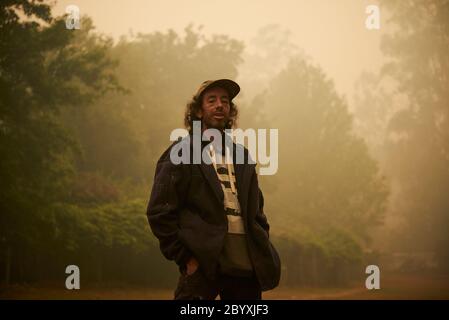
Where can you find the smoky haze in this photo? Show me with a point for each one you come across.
(362, 117)
(332, 33)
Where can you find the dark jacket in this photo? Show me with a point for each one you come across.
(186, 214)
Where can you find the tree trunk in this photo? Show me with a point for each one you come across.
(100, 271)
(8, 265)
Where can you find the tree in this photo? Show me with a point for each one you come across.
(123, 135)
(418, 148)
(75, 145)
(328, 178)
(43, 68)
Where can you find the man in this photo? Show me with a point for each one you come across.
(209, 217)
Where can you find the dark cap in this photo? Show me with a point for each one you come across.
(232, 87)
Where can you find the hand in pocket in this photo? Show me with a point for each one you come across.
(191, 266)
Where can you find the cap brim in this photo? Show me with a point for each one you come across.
(231, 86)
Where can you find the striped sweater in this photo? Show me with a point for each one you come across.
(234, 259)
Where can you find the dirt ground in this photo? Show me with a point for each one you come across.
(392, 287)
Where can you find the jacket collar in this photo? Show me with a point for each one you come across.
(242, 175)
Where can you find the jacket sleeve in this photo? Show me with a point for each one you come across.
(261, 218)
(169, 188)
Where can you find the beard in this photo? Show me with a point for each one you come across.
(219, 124)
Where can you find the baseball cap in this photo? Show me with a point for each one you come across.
(231, 86)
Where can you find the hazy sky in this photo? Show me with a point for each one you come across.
(331, 32)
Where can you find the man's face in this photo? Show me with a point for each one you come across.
(215, 108)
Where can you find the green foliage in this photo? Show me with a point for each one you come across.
(331, 257)
(102, 229)
(83, 122)
(73, 165)
(43, 70)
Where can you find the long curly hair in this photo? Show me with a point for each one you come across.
(194, 106)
